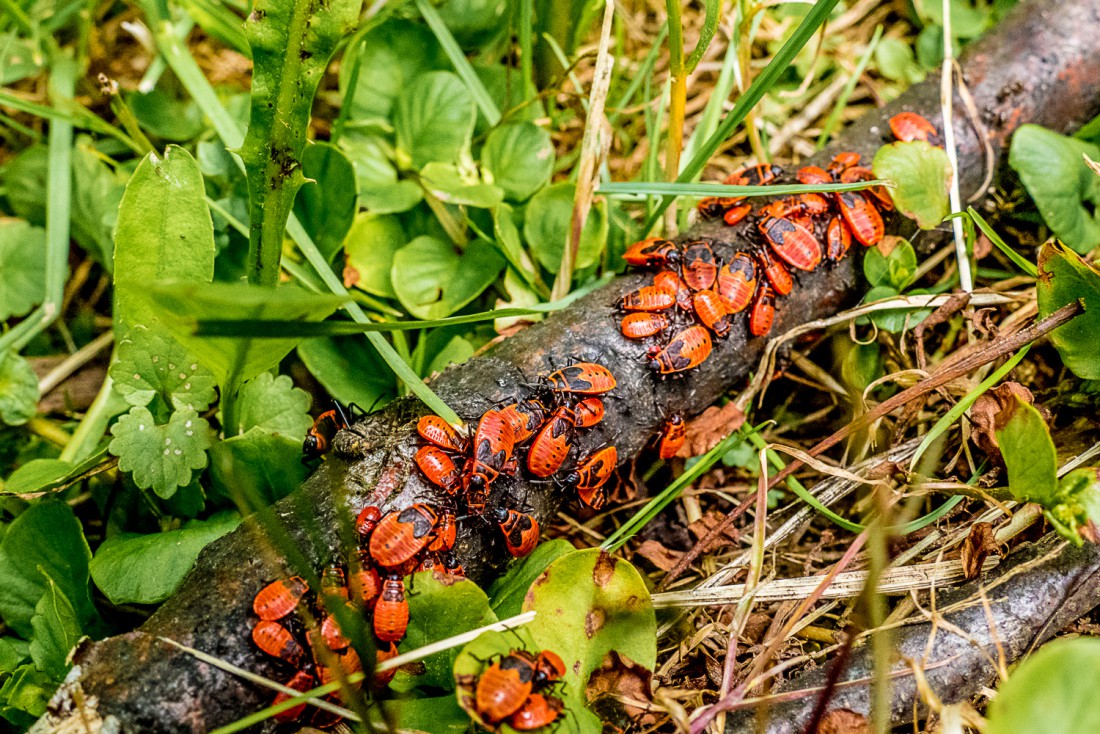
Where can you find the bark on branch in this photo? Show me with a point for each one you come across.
(1040, 66)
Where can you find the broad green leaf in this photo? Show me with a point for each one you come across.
(257, 464)
(24, 696)
(44, 475)
(239, 359)
(438, 715)
(894, 320)
(433, 120)
(349, 369)
(25, 184)
(520, 157)
(1065, 277)
(56, 631)
(590, 603)
(388, 56)
(895, 269)
(165, 116)
(922, 174)
(440, 609)
(370, 245)
(97, 191)
(380, 191)
(23, 263)
(1028, 451)
(164, 232)
(433, 281)
(19, 58)
(275, 405)
(18, 389)
(1066, 191)
(473, 22)
(291, 45)
(131, 568)
(894, 59)
(150, 364)
(507, 592)
(46, 541)
(1053, 690)
(547, 222)
(457, 350)
(161, 457)
(967, 19)
(13, 653)
(327, 203)
(451, 186)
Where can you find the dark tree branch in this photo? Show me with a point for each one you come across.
(1039, 66)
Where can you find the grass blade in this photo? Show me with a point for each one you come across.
(1020, 261)
(707, 189)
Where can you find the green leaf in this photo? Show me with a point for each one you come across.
(433, 120)
(161, 457)
(19, 59)
(547, 222)
(18, 389)
(165, 116)
(456, 351)
(164, 232)
(275, 405)
(379, 190)
(97, 193)
(1066, 191)
(56, 631)
(922, 174)
(257, 464)
(370, 245)
(45, 542)
(13, 652)
(439, 715)
(1076, 514)
(473, 22)
(1065, 277)
(45, 475)
(146, 569)
(25, 695)
(451, 186)
(967, 20)
(349, 370)
(1052, 690)
(327, 203)
(507, 592)
(291, 45)
(1028, 451)
(894, 59)
(184, 304)
(433, 281)
(440, 609)
(151, 365)
(520, 157)
(389, 56)
(23, 263)
(590, 603)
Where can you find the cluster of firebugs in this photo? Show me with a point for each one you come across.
(539, 431)
(694, 294)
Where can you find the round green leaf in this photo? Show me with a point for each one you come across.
(145, 569)
(23, 263)
(160, 457)
(388, 56)
(1053, 690)
(151, 364)
(520, 158)
(370, 245)
(894, 59)
(922, 174)
(433, 119)
(1065, 277)
(433, 281)
(18, 389)
(327, 202)
(379, 190)
(546, 227)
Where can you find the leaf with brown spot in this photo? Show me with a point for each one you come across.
(983, 415)
(659, 555)
(709, 428)
(621, 681)
(843, 721)
(976, 548)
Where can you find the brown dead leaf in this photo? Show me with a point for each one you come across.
(843, 721)
(982, 246)
(983, 415)
(351, 276)
(756, 626)
(885, 469)
(976, 548)
(887, 244)
(710, 520)
(656, 553)
(709, 428)
(621, 677)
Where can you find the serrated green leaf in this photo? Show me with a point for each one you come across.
(23, 263)
(451, 186)
(1065, 277)
(520, 157)
(150, 365)
(547, 222)
(1029, 454)
(370, 245)
(163, 457)
(18, 389)
(922, 174)
(507, 592)
(164, 232)
(1052, 690)
(351, 371)
(46, 541)
(146, 569)
(433, 120)
(433, 281)
(56, 631)
(389, 56)
(291, 45)
(257, 464)
(274, 405)
(327, 203)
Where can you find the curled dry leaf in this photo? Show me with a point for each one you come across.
(708, 429)
(623, 683)
(659, 555)
(976, 548)
(984, 412)
(712, 519)
(843, 721)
